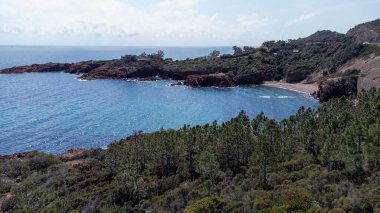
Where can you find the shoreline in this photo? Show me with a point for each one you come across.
(308, 89)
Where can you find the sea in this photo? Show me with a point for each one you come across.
(54, 112)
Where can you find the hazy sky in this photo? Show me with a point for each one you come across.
(174, 22)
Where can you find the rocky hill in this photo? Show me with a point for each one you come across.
(366, 32)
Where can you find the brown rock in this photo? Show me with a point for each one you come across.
(104, 72)
(78, 68)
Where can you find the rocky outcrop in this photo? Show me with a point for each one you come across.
(103, 72)
(49, 67)
(337, 87)
(83, 67)
(76, 68)
(106, 72)
(216, 79)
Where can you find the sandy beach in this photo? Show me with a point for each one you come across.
(300, 87)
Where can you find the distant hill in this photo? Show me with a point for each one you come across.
(322, 36)
(366, 32)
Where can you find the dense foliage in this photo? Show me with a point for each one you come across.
(322, 160)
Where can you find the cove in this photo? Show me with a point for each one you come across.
(54, 112)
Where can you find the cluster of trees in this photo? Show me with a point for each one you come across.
(292, 60)
(316, 160)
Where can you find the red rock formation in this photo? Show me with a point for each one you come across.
(78, 68)
(104, 72)
(38, 68)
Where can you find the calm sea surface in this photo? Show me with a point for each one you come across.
(54, 112)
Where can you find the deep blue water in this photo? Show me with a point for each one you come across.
(54, 112)
(26, 55)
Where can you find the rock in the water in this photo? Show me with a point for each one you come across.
(179, 83)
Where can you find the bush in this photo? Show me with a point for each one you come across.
(293, 165)
(15, 167)
(41, 161)
(207, 204)
(9, 203)
(5, 186)
(295, 202)
(294, 176)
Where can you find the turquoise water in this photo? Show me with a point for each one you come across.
(54, 112)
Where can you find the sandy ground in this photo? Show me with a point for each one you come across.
(299, 87)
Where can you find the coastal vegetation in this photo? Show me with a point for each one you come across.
(320, 160)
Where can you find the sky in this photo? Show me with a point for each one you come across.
(175, 22)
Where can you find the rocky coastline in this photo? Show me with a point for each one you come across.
(94, 70)
(318, 61)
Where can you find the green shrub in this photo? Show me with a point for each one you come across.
(5, 186)
(205, 205)
(346, 204)
(293, 165)
(15, 167)
(41, 161)
(294, 176)
(8, 203)
(295, 202)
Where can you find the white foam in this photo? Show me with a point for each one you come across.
(81, 79)
(264, 96)
(283, 96)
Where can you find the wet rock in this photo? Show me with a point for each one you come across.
(179, 83)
